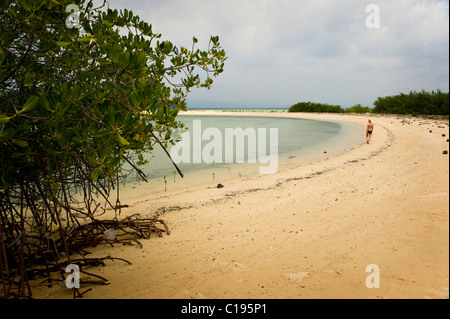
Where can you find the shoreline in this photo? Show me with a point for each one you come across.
(307, 231)
(233, 172)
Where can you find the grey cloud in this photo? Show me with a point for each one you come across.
(284, 51)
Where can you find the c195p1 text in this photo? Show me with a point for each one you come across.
(241, 308)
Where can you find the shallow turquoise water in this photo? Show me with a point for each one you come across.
(297, 138)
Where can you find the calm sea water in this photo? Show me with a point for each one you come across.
(298, 139)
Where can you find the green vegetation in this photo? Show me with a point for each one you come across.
(326, 108)
(315, 107)
(414, 103)
(77, 103)
(358, 108)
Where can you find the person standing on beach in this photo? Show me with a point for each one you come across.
(369, 131)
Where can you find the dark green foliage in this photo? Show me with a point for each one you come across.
(415, 103)
(358, 108)
(315, 107)
(327, 108)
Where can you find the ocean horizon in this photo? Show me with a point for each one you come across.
(238, 108)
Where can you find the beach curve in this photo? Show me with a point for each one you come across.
(308, 231)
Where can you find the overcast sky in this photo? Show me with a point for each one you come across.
(285, 51)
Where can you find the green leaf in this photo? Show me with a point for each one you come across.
(4, 119)
(95, 174)
(108, 23)
(44, 101)
(85, 39)
(113, 161)
(62, 44)
(60, 140)
(215, 39)
(122, 141)
(92, 160)
(134, 100)
(18, 155)
(30, 104)
(6, 134)
(24, 4)
(103, 133)
(20, 143)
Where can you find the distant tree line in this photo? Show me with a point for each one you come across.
(414, 103)
(315, 107)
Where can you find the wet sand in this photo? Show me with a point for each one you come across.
(308, 231)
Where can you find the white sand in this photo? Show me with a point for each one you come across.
(308, 231)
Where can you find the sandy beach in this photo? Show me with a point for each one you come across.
(307, 231)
